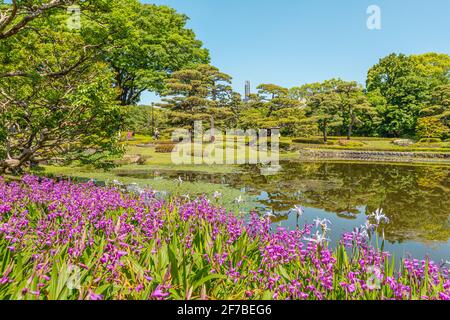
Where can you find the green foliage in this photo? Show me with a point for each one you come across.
(18, 15)
(274, 98)
(146, 43)
(285, 146)
(165, 148)
(310, 141)
(323, 104)
(431, 127)
(429, 140)
(144, 119)
(407, 83)
(337, 107)
(355, 107)
(2, 140)
(350, 143)
(60, 102)
(194, 94)
(59, 88)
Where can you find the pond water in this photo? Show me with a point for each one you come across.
(415, 198)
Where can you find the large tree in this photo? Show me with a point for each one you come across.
(436, 116)
(58, 87)
(200, 93)
(18, 14)
(56, 97)
(274, 97)
(324, 105)
(273, 107)
(407, 83)
(147, 43)
(354, 105)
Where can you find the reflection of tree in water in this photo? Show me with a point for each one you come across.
(416, 198)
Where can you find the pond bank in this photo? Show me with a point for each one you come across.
(374, 156)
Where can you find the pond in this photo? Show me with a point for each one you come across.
(416, 198)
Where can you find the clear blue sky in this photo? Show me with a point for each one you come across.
(291, 42)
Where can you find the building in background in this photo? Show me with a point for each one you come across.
(247, 91)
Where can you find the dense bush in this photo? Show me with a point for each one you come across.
(165, 148)
(431, 127)
(429, 140)
(285, 146)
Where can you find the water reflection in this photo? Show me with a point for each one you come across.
(415, 198)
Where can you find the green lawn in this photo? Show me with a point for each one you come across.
(378, 144)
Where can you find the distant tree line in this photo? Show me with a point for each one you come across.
(404, 96)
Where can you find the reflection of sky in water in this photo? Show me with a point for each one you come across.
(437, 251)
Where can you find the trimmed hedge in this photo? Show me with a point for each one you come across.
(311, 141)
(165, 148)
(430, 140)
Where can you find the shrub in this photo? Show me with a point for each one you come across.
(310, 141)
(430, 140)
(163, 142)
(165, 148)
(131, 159)
(286, 146)
(431, 127)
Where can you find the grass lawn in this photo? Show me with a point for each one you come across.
(378, 144)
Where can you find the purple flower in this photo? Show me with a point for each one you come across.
(94, 296)
(159, 294)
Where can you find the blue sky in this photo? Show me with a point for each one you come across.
(291, 42)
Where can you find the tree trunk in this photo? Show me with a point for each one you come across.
(350, 125)
(325, 138)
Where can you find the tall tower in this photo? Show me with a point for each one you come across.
(247, 91)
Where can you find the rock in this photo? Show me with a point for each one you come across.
(145, 145)
(131, 159)
(12, 163)
(403, 142)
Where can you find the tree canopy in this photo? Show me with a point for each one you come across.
(407, 84)
(146, 44)
(60, 88)
(197, 94)
(60, 103)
